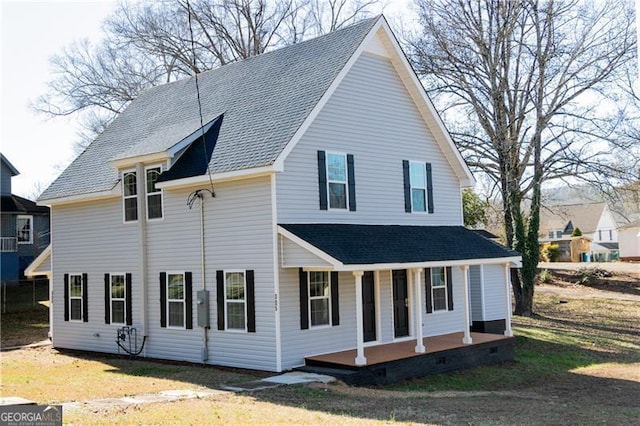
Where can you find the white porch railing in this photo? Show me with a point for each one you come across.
(8, 244)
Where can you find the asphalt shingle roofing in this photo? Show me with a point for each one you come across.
(264, 100)
(369, 244)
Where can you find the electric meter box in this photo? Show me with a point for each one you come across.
(202, 299)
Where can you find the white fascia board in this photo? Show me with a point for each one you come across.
(513, 261)
(157, 157)
(42, 257)
(311, 249)
(81, 198)
(218, 177)
(279, 163)
(426, 108)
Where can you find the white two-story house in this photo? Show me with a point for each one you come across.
(317, 212)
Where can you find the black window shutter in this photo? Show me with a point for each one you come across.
(335, 305)
(85, 298)
(449, 290)
(322, 180)
(163, 299)
(251, 302)
(351, 178)
(188, 300)
(407, 186)
(427, 288)
(128, 302)
(107, 299)
(220, 298)
(429, 189)
(66, 297)
(304, 300)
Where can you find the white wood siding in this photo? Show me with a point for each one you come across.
(494, 297)
(91, 238)
(293, 255)
(443, 322)
(476, 292)
(297, 343)
(372, 116)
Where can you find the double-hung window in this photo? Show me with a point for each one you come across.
(75, 297)
(439, 289)
(418, 187)
(24, 225)
(337, 180)
(130, 196)
(175, 300)
(154, 195)
(418, 174)
(319, 298)
(235, 302)
(118, 298)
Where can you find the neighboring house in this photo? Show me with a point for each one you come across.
(24, 228)
(595, 221)
(629, 240)
(336, 223)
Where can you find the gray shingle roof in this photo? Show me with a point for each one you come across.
(264, 100)
(370, 244)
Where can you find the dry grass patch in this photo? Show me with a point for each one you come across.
(48, 376)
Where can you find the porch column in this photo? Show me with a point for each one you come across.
(507, 294)
(360, 358)
(465, 279)
(417, 296)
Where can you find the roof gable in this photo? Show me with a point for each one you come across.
(583, 216)
(267, 101)
(7, 164)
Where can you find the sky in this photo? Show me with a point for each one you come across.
(31, 32)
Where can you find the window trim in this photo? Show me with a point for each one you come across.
(423, 166)
(443, 286)
(30, 219)
(127, 197)
(226, 301)
(159, 191)
(330, 181)
(123, 299)
(328, 297)
(81, 297)
(183, 300)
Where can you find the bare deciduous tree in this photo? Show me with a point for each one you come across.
(149, 43)
(522, 86)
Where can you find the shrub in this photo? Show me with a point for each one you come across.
(550, 252)
(545, 276)
(591, 275)
(576, 233)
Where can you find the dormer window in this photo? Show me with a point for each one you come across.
(154, 195)
(130, 196)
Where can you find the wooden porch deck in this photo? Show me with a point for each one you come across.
(389, 363)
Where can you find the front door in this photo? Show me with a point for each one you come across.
(368, 307)
(400, 304)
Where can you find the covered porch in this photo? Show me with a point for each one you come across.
(392, 362)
